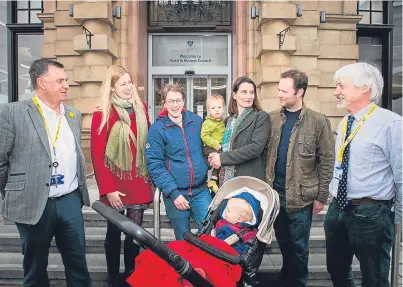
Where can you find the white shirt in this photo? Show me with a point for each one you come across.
(66, 153)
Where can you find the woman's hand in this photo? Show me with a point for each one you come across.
(181, 203)
(214, 160)
(114, 199)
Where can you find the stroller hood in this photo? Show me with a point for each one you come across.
(268, 198)
(254, 204)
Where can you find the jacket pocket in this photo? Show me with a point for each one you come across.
(14, 177)
(306, 145)
(309, 189)
(18, 185)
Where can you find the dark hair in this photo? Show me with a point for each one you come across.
(40, 67)
(172, 88)
(233, 107)
(299, 78)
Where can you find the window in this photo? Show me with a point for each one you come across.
(24, 42)
(372, 12)
(27, 10)
(375, 40)
(28, 51)
(3, 56)
(397, 58)
(371, 50)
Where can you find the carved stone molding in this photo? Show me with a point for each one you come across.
(174, 13)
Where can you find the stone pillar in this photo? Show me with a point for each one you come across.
(318, 49)
(337, 47)
(305, 57)
(137, 44)
(97, 18)
(49, 29)
(240, 34)
(272, 59)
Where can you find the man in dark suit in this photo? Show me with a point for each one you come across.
(42, 176)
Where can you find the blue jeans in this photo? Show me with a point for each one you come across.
(180, 219)
(292, 234)
(365, 231)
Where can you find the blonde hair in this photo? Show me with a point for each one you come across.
(113, 75)
(215, 97)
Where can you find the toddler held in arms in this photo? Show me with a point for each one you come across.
(239, 221)
(212, 132)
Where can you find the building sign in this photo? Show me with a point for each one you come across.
(190, 50)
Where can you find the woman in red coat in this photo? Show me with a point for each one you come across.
(118, 138)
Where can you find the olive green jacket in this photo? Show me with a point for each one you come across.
(310, 157)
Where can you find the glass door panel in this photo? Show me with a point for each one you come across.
(219, 87)
(181, 81)
(159, 84)
(184, 82)
(199, 91)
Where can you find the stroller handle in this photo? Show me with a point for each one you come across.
(145, 239)
(222, 255)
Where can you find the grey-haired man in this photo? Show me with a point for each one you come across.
(367, 180)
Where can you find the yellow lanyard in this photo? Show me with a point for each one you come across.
(53, 141)
(353, 133)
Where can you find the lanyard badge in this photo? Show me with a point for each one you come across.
(53, 141)
(344, 143)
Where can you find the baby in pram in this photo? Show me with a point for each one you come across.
(236, 227)
(239, 222)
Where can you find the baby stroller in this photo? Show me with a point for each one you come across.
(249, 261)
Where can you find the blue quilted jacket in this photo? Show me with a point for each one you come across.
(174, 155)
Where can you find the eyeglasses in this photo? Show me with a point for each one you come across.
(171, 102)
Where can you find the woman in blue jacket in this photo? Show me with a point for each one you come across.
(175, 161)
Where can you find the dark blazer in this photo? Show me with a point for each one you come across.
(249, 146)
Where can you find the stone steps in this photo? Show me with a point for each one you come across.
(93, 219)
(10, 240)
(11, 259)
(11, 269)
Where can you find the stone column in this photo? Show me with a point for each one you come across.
(240, 34)
(272, 59)
(337, 47)
(49, 29)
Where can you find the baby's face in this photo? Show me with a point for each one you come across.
(216, 108)
(238, 210)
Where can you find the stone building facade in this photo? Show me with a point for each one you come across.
(318, 47)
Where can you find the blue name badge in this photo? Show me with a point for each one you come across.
(59, 178)
(338, 172)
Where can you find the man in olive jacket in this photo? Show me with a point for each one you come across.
(299, 167)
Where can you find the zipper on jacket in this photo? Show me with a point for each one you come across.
(169, 165)
(189, 161)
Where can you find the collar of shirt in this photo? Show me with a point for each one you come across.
(361, 113)
(49, 113)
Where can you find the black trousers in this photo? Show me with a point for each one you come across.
(62, 218)
(113, 244)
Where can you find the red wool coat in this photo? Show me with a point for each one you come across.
(137, 190)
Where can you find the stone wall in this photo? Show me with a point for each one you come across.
(317, 48)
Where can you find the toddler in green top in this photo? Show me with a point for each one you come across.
(212, 132)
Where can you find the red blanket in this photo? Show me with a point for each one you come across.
(152, 271)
